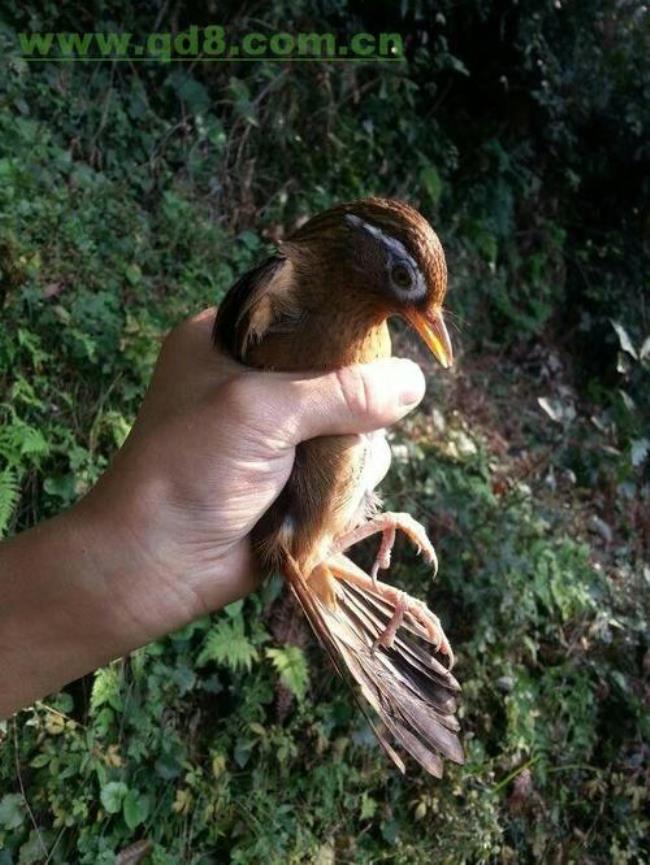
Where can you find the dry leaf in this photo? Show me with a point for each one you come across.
(132, 854)
(624, 339)
(52, 289)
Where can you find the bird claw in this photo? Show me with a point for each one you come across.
(417, 534)
(388, 524)
(424, 623)
(422, 617)
(431, 624)
(424, 620)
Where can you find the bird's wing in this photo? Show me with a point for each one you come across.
(410, 690)
(260, 302)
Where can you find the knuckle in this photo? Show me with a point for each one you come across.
(178, 334)
(170, 340)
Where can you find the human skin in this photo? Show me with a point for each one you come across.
(163, 537)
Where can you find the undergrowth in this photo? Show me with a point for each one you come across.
(130, 198)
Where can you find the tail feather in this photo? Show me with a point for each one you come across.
(411, 691)
(310, 605)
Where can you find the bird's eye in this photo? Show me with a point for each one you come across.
(401, 276)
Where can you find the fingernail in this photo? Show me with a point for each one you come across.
(411, 381)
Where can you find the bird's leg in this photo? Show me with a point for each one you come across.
(403, 604)
(387, 636)
(383, 556)
(388, 524)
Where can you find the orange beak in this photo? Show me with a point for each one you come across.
(431, 326)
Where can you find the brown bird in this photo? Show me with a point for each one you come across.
(320, 303)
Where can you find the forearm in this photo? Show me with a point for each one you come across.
(57, 621)
(83, 588)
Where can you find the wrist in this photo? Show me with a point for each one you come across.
(141, 553)
(129, 568)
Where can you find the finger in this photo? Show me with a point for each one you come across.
(355, 399)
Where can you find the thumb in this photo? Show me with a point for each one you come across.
(355, 399)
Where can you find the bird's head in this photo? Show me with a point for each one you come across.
(385, 256)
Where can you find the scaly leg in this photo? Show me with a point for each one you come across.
(344, 569)
(388, 524)
(383, 556)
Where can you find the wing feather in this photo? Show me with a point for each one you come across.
(259, 303)
(411, 691)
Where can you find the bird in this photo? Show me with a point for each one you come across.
(320, 302)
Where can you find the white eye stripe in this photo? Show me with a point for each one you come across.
(392, 244)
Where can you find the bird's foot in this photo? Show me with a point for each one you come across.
(388, 524)
(430, 623)
(403, 607)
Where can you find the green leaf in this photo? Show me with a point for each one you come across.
(242, 103)
(191, 91)
(112, 796)
(63, 702)
(133, 274)
(168, 767)
(639, 450)
(135, 809)
(368, 807)
(487, 245)
(234, 610)
(12, 811)
(432, 182)
(242, 752)
(291, 664)
(32, 850)
(34, 442)
(106, 690)
(9, 494)
(40, 760)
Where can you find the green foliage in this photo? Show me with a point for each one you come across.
(226, 643)
(113, 795)
(131, 197)
(291, 664)
(12, 811)
(106, 690)
(9, 493)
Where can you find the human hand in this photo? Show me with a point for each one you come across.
(211, 449)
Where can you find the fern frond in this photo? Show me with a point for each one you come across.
(9, 495)
(227, 643)
(291, 664)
